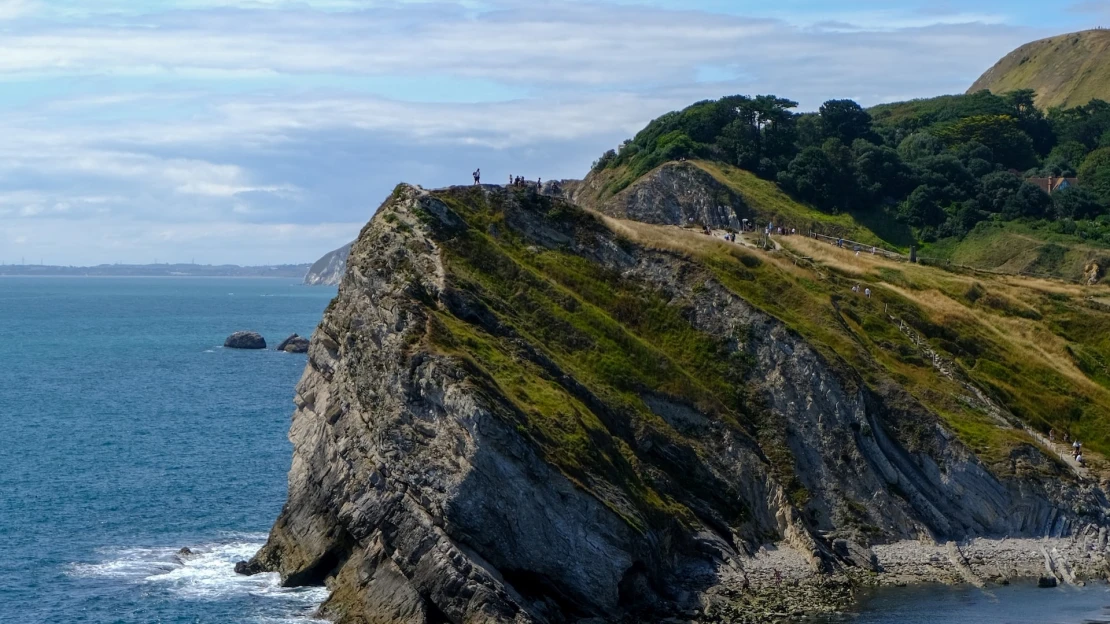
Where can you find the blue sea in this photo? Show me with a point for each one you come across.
(127, 433)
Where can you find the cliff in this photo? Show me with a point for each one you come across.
(518, 411)
(328, 270)
(1066, 71)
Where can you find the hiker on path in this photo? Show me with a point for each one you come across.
(477, 176)
(1051, 435)
(867, 291)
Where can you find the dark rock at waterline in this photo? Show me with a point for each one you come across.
(294, 344)
(185, 552)
(248, 568)
(245, 340)
(1046, 581)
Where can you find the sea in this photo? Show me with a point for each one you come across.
(127, 433)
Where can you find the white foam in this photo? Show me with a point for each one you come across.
(207, 574)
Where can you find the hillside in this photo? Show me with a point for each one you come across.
(516, 410)
(703, 192)
(1065, 71)
(329, 269)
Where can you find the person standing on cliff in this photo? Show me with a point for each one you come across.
(477, 176)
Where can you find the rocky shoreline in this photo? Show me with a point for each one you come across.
(782, 586)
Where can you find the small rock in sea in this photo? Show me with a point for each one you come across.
(247, 568)
(185, 552)
(1046, 581)
(245, 340)
(294, 344)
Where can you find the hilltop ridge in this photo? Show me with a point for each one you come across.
(1065, 71)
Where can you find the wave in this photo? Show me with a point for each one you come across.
(207, 574)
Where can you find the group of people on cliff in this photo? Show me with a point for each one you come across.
(520, 181)
(1076, 445)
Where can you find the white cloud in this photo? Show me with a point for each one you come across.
(216, 120)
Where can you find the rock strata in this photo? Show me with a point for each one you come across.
(486, 431)
(245, 340)
(294, 344)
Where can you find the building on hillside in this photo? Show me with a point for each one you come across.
(1052, 184)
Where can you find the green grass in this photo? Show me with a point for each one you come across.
(1015, 247)
(1065, 71)
(548, 314)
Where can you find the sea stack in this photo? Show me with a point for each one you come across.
(294, 344)
(245, 340)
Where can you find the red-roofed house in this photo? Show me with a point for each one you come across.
(1052, 184)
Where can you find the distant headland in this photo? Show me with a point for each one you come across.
(155, 270)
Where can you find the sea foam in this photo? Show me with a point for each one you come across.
(207, 574)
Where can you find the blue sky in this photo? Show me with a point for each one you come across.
(263, 131)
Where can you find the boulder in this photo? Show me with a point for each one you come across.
(245, 340)
(248, 568)
(294, 344)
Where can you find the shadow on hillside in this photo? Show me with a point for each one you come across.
(886, 227)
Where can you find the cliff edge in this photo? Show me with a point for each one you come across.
(518, 411)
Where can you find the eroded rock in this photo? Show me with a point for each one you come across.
(245, 340)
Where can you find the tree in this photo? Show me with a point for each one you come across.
(1012, 147)
(947, 176)
(1076, 202)
(919, 145)
(1067, 156)
(922, 207)
(844, 120)
(880, 173)
(1094, 173)
(1030, 119)
(822, 176)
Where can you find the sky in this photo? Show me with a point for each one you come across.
(268, 131)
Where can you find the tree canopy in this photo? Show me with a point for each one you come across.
(941, 164)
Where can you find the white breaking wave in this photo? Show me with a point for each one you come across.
(207, 574)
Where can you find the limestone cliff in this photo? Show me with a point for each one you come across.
(676, 193)
(516, 411)
(328, 270)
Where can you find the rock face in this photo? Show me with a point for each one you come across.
(245, 340)
(676, 193)
(511, 413)
(294, 344)
(1092, 273)
(328, 270)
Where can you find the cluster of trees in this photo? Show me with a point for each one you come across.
(941, 165)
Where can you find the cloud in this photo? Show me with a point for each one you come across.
(217, 117)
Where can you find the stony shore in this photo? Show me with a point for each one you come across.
(780, 584)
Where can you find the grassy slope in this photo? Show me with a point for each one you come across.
(1019, 248)
(1068, 70)
(1041, 348)
(768, 201)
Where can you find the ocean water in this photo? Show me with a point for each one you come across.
(127, 432)
(1018, 603)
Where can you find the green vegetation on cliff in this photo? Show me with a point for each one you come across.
(1038, 349)
(913, 172)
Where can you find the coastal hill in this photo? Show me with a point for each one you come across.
(329, 269)
(520, 410)
(982, 180)
(1065, 71)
